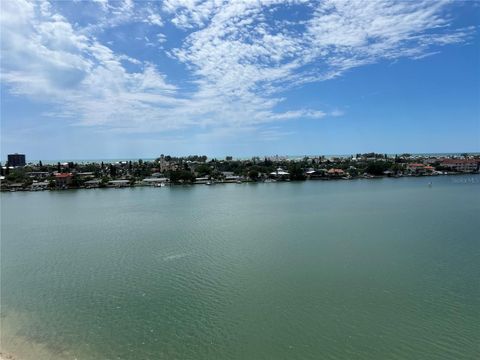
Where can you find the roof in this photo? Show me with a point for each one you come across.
(416, 165)
(63, 175)
(335, 171)
(279, 172)
(158, 179)
(315, 171)
(40, 183)
(460, 161)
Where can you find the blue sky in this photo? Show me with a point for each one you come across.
(125, 79)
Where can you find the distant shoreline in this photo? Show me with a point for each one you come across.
(166, 170)
(214, 183)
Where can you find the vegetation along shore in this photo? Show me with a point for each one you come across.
(169, 170)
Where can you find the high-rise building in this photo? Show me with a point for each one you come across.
(16, 159)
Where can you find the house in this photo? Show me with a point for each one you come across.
(85, 175)
(416, 169)
(152, 181)
(63, 180)
(39, 185)
(429, 169)
(461, 165)
(119, 183)
(336, 172)
(315, 174)
(279, 173)
(229, 176)
(38, 174)
(90, 184)
(15, 186)
(202, 180)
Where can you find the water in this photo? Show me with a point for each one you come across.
(367, 269)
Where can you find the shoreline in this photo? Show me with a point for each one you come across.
(213, 182)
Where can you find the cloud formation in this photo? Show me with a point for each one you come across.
(240, 56)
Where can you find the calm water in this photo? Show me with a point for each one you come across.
(367, 269)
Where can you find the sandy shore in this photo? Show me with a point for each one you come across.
(6, 357)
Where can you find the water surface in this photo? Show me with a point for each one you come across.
(364, 269)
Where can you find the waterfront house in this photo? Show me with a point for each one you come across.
(315, 174)
(90, 184)
(336, 172)
(416, 169)
(429, 169)
(152, 181)
(39, 185)
(119, 183)
(279, 174)
(202, 180)
(15, 187)
(230, 177)
(63, 180)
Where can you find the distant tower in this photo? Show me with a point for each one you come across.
(16, 159)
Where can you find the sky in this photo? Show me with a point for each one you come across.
(123, 79)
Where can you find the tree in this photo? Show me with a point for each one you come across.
(353, 172)
(377, 168)
(59, 168)
(296, 172)
(253, 174)
(113, 171)
(177, 176)
(203, 170)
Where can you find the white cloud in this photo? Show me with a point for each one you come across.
(44, 57)
(240, 57)
(337, 113)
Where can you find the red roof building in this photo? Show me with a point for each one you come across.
(462, 165)
(63, 179)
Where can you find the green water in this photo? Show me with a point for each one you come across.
(364, 269)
